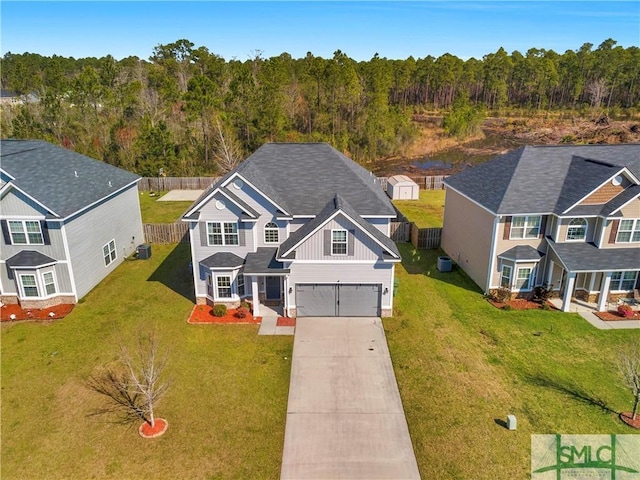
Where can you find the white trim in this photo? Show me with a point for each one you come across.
(25, 232)
(195, 266)
(502, 267)
(222, 233)
(625, 170)
(32, 198)
(577, 240)
(115, 251)
(236, 203)
(530, 279)
(339, 262)
(216, 293)
(492, 251)
(266, 228)
(247, 182)
(470, 199)
(101, 200)
(67, 253)
(378, 216)
(635, 227)
(345, 243)
(525, 227)
(625, 204)
(23, 217)
(317, 229)
(40, 285)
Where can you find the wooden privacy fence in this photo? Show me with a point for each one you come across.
(177, 232)
(427, 238)
(164, 184)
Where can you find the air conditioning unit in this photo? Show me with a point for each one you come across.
(144, 251)
(445, 264)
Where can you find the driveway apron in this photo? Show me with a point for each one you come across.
(344, 417)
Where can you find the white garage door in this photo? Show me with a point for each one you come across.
(338, 300)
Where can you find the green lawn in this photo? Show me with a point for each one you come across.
(427, 212)
(154, 211)
(462, 365)
(226, 407)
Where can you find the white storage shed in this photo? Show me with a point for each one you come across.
(401, 187)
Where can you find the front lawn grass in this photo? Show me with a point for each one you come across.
(427, 212)
(462, 366)
(154, 211)
(226, 406)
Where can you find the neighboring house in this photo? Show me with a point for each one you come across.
(11, 98)
(67, 221)
(566, 216)
(300, 226)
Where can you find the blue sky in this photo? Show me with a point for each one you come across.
(360, 29)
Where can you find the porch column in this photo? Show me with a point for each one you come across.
(285, 305)
(255, 297)
(568, 291)
(604, 292)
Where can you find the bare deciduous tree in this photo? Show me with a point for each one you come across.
(227, 150)
(133, 384)
(597, 90)
(629, 365)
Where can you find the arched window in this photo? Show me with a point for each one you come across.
(577, 229)
(271, 233)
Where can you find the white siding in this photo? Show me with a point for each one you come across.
(15, 204)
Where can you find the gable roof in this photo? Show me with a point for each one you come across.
(301, 176)
(544, 179)
(336, 205)
(62, 181)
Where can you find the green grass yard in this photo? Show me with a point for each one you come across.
(154, 211)
(461, 364)
(427, 212)
(226, 407)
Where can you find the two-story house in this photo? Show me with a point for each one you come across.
(67, 221)
(299, 226)
(566, 216)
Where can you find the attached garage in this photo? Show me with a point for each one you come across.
(338, 300)
(401, 187)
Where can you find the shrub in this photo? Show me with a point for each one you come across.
(246, 305)
(219, 310)
(242, 312)
(502, 294)
(543, 293)
(625, 310)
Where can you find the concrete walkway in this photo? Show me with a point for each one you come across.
(344, 417)
(585, 310)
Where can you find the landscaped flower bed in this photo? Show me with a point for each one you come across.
(612, 316)
(521, 304)
(204, 314)
(13, 312)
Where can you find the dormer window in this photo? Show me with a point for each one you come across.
(577, 229)
(271, 233)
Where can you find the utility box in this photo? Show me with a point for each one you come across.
(445, 264)
(144, 251)
(511, 422)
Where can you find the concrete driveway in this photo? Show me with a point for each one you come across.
(344, 417)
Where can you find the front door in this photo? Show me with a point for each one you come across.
(273, 288)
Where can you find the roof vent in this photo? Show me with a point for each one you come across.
(110, 183)
(617, 180)
(75, 173)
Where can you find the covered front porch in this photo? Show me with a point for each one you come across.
(269, 281)
(592, 275)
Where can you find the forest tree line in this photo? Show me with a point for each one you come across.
(191, 112)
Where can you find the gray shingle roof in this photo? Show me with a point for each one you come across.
(338, 203)
(522, 253)
(263, 261)
(29, 258)
(301, 176)
(222, 260)
(586, 257)
(544, 179)
(47, 173)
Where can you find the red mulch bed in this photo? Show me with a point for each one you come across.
(159, 427)
(204, 314)
(286, 322)
(612, 316)
(59, 311)
(626, 418)
(520, 304)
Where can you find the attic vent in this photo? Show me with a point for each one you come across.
(617, 180)
(220, 204)
(238, 184)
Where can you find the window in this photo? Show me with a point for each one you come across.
(271, 233)
(525, 227)
(224, 286)
(222, 233)
(49, 283)
(109, 252)
(628, 231)
(505, 277)
(623, 281)
(577, 229)
(240, 282)
(523, 280)
(29, 285)
(25, 232)
(338, 242)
